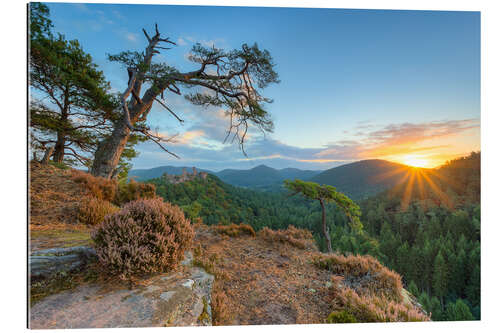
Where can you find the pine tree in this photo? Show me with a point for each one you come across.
(436, 309)
(440, 277)
(458, 311)
(412, 288)
(325, 194)
(77, 110)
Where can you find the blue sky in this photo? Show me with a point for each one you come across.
(355, 84)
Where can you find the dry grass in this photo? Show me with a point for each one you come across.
(368, 308)
(134, 191)
(221, 313)
(93, 210)
(99, 187)
(54, 196)
(235, 230)
(257, 282)
(363, 273)
(299, 238)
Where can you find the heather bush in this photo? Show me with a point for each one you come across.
(101, 188)
(365, 271)
(235, 230)
(134, 191)
(91, 210)
(145, 236)
(299, 238)
(372, 308)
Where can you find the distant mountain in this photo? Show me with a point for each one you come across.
(362, 179)
(263, 177)
(260, 177)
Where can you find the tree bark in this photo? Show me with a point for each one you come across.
(326, 232)
(48, 153)
(108, 152)
(59, 148)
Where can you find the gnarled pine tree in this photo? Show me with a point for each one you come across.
(79, 109)
(325, 194)
(232, 80)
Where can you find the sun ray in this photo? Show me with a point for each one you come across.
(405, 201)
(420, 184)
(389, 174)
(442, 196)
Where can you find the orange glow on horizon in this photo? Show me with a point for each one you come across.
(415, 161)
(422, 161)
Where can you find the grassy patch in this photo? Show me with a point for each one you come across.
(59, 237)
(366, 271)
(235, 230)
(298, 238)
(371, 308)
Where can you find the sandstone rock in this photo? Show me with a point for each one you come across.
(47, 262)
(179, 298)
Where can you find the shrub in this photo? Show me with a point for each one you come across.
(134, 191)
(145, 236)
(371, 308)
(341, 317)
(101, 188)
(91, 210)
(235, 230)
(299, 238)
(367, 272)
(220, 307)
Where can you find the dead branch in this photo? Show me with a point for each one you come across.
(168, 109)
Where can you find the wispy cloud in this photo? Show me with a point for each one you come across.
(196, 145)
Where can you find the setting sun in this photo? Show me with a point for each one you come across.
(415, 161)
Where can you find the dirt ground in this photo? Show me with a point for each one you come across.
(263, 282)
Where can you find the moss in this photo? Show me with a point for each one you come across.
(59, 165)
(341, 317)
(204, 316)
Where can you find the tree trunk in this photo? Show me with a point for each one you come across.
(109, 151)
(48, 153)
(326, 232)
(59, 148)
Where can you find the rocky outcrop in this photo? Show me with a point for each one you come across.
(180, 298)
(44, 263)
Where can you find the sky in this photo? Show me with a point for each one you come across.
(355, 84)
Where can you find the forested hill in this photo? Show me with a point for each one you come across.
(428, 229)
(363, 179)
(145, 174)
(216, 202)
(262, 176)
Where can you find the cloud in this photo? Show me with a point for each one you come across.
(201, 145)
(131, 36)
(217, 42)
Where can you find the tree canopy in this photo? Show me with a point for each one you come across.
(232, 80)
(71, 106)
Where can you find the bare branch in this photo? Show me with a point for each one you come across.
(146, 34)
(166, 107)
(158, 140)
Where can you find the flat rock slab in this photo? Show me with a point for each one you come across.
(44, 263)
(176, 299)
